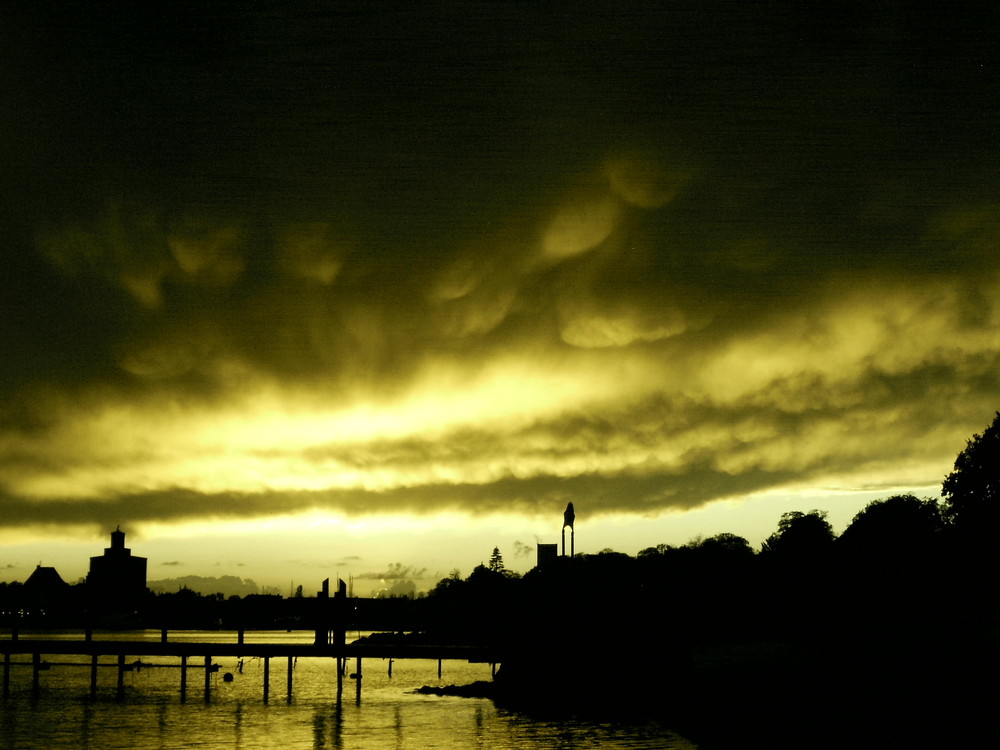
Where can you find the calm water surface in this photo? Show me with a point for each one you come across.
(390, 715)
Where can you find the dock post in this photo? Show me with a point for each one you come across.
(439, 669)
(163, 635)
(340, 678)
(290, 665)
(6, 675)
(239, 636)
(93, 676)
(36, 665)
(121, 677)
(390, 668)
(208, 678)
(184, 677)
(357, 696)
(267, 676)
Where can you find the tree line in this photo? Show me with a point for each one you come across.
(904, 564)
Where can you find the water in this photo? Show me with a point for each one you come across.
(390, 715)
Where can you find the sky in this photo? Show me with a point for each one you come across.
(334, 289)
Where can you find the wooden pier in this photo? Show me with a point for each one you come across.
(183, 650)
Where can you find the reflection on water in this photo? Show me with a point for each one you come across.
(152, 714)
(442, 723)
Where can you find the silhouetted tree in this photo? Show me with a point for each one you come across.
(972, 506)
(798, 575)
(653, 552)
(474, 610)
(485, 580)
(972, 490)
(712, 580)
(901, 525)
(890, 574)
(800, 535)
(447, 586)
(496, 561)
(726, 545)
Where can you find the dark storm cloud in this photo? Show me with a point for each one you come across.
(788, 221)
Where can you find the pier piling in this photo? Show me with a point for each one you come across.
(94, 650)
(208, 678)
(357, 687)
(120, 692)
(267, 676)
(340, 678)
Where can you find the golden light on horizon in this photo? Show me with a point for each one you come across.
(458, 424)
(253, 292)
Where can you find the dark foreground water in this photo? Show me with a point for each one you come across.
(152, 713)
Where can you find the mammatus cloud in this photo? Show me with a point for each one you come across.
(621, 274)
(867, 381)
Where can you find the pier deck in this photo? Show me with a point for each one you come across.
(247, 648)
(185, 649)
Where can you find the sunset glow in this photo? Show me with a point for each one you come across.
(290, 290)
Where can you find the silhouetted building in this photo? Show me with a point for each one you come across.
(44, 580)
(547, 554)
(46, 596)
(117, 574)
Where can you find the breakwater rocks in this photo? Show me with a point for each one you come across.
(478, 689)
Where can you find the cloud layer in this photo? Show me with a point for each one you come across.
(266, 260)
